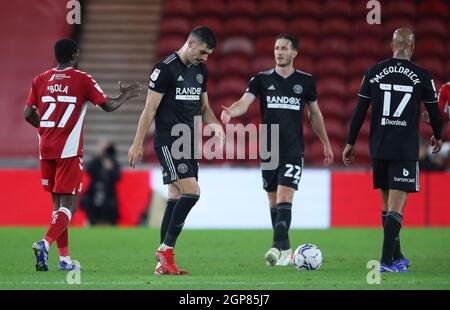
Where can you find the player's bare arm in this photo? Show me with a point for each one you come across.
(148, 114)
(238, 108)
(31, 116)
(210, 119)
(316, 119)
(125, 93)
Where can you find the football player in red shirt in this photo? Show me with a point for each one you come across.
(56, 106)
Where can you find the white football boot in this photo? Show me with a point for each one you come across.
(272, 256)
(285, 258)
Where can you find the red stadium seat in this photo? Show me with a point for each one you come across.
(435, 66)
(337, 8)
(302, 27)
(262, 63)
(271, 26)
(430, 47)
(359, 66)
(232, 86)
(308, 46)
(274, 8)
(395, 9)
(237, 8)
(212, 63)
(239, 26)
(335, 129)
(353, 86)
(438, 8)
(332, 87)
(332, 108)
(175, 26)
(235, 65)
(432, 27)
(209, 8)
(170, 44)
(264, 46)
(237, 45)
(305, 63)
(336, 26)
(360, 10)
(361, 28)
(362, 155)
(214, 23)
(367, 47)
(305, 8)
(175, 8)
(334, 46)
(332, 67)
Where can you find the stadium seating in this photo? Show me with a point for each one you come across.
(175, 8)
(274, 8)
(216, 24)
(246, 8)
(175, 26)
(337, 46)
(214, 8)
(305, 27)
(396, 9)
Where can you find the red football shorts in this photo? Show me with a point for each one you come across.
(62, 176)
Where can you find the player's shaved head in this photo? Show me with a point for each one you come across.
(403, 43)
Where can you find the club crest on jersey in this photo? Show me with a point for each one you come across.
(297, 89)
(200, 78)
(182, 168)
(155, 74)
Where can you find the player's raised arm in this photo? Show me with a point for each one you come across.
(125, 93)
(238, 108)
(210, 119)
(151, 105)
(318, 125)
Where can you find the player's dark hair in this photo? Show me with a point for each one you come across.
(205, 34)
(289, 37)
(64, 50)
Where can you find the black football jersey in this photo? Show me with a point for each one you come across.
(282, 102)
(396, 88)
(182, 87)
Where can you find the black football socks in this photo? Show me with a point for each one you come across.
(397, 250)
(282, 224)
(179, 215)
(392, 226)
(166, 218)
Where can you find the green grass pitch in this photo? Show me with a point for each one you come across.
(114, 258)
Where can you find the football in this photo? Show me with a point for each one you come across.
(307, 257)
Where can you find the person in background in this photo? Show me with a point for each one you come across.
(100, 200)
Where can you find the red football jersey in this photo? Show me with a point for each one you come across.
(444, 99)
(61, 96)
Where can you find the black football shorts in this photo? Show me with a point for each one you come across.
(396, 174)
(287, 174)
(174, 169)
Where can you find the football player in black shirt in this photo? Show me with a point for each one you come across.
(177, 92)
(395, 87)
(284, 91)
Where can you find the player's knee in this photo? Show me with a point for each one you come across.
(190, 187)
(284, 199)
